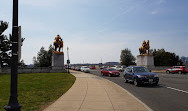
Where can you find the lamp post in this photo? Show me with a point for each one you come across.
(0, 52)
(68, 61)
(13, 104)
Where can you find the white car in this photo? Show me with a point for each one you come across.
(118, 68)
(85, 69)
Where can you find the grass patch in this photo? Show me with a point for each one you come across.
(36, 90)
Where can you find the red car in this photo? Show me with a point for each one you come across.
(73, 67)
(109, 72)
(92, 67)
(177, 69)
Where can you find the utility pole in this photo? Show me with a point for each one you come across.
(13, 104)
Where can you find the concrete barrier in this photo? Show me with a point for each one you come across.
(160, 67)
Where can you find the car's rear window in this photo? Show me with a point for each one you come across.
(140, 69)
(111, 69)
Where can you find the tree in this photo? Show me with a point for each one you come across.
(126, 57)
(5, 46)
(44, 57)
(163, 58)
(184, 60)
(21, 64)
(49, 56)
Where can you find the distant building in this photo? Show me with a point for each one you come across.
(30, 65)
(112, 63)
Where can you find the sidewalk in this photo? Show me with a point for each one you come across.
(92, 93)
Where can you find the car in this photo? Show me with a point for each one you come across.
(77, 68)
(118, 68)
(68, 66)
(73, 67)
(109, 72)
(177, 69)
(139, 75)
(92, 67)
(85, 69)
(102, 67)
(114, 67)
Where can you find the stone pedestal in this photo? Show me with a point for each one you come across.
(145, 60)
(58, 62)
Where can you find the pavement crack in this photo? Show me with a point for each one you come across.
(84, 96)
(109, 99)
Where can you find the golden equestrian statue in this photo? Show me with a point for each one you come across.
(145, 48)
(58, 43)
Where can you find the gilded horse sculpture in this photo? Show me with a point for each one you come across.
(145, 48)
(58, 43)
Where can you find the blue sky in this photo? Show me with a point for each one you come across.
(100, 29)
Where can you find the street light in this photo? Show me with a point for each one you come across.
(0, 52)
(68, 61)
(13, 104)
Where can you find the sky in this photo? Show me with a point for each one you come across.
(97, 30)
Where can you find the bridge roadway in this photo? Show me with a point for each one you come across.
(170, 95)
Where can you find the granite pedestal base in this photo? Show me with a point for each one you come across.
(145, 60)
(58, 62)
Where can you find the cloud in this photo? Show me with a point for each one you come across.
(54, 3)
(160, 2)
(108, 47)
(154, 12)
(92, 53)
(88, 49)
(40, 3)
(101, 39)
(31, 47)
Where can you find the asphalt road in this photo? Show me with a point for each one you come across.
(170, 95)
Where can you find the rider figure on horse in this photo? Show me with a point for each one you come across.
(57, 39)
(58, 43)
(145, 49)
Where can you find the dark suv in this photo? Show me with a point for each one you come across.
(140, 75)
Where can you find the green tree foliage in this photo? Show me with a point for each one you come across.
(5, 46)
(127, 58)
(163, 58)
(21, 64)
(44, 57)
(184, 60)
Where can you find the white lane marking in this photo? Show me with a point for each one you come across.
(177, 89)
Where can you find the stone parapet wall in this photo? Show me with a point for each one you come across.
(32, 70)
(160, 67)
